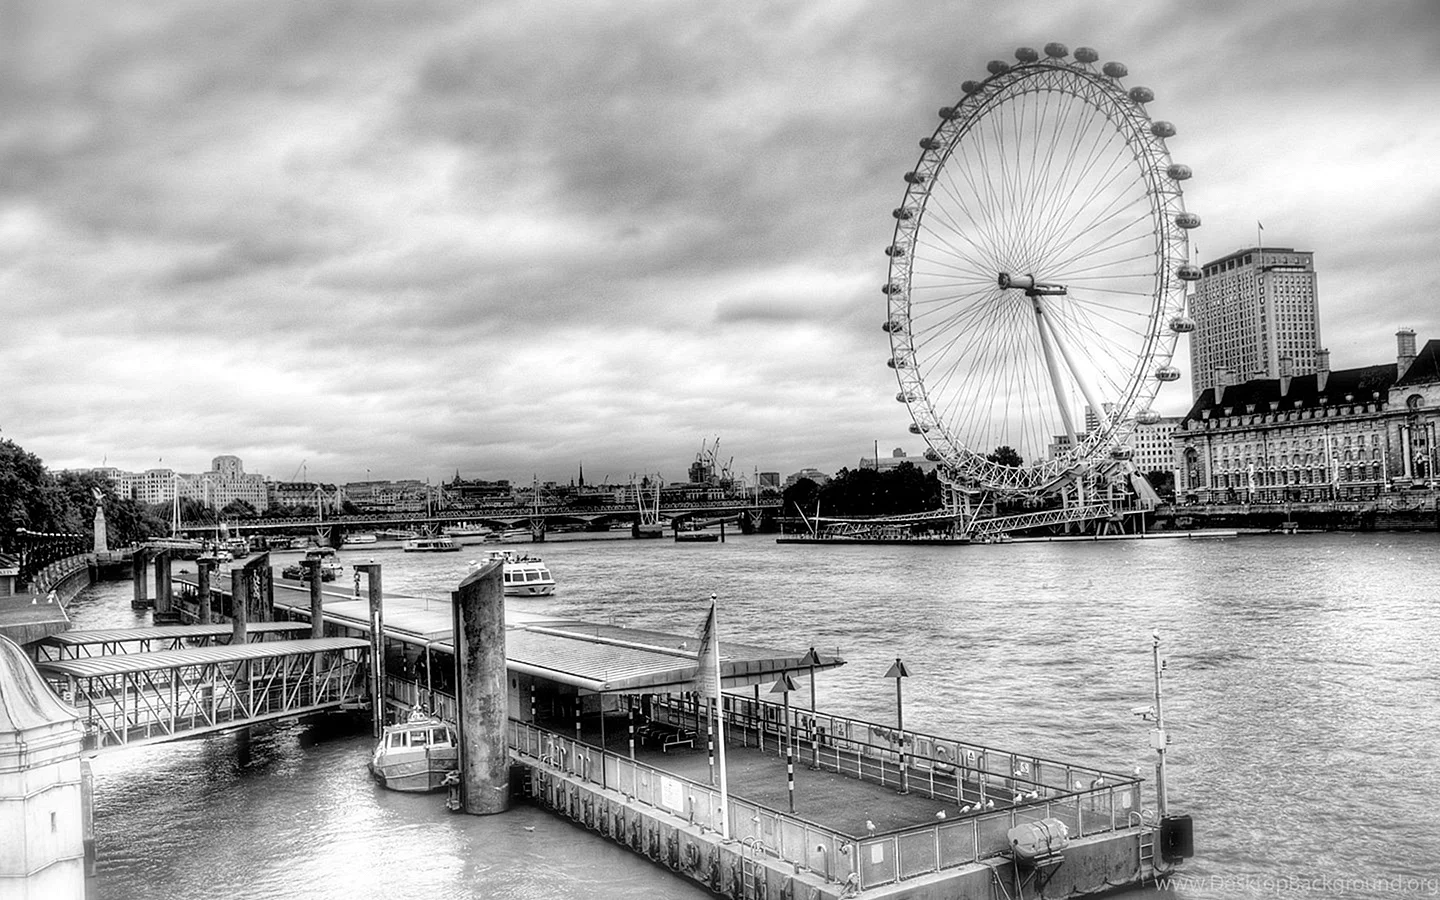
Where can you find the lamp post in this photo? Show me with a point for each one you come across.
(784, 686)
(899, 672)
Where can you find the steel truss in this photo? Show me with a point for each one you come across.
(133, 707)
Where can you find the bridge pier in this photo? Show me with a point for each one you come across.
(164, 589)
(377, 644)
(312, 571)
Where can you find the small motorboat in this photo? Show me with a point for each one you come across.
(324, 557)
(416, 755)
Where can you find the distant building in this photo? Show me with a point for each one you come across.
(1252, 309)
(225, 483)
(1348, 434)
(896, 458)
(770, 480)
(813, 474)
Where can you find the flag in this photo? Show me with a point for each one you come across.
(1258, 225)
(707, 670)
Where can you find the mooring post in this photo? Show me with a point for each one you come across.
(317, 606)
(137, 574)
(377, 645)
(164, 588)
(239, 606)
(203, 567)
(480, 686)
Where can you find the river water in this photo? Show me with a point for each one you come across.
(1301, 692)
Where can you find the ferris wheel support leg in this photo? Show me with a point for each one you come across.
(1091, 397)
(1047, 334)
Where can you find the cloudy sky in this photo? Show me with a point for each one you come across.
(408, 238)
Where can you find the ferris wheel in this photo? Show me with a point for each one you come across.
(1038, 272)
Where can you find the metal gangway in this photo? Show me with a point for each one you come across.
(130, 699)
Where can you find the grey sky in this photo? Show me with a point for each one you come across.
(506, 238)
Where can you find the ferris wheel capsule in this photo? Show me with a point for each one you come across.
(1056, 50)
(1182, 324)
(931, 455)
(890, 288)
(1026, 54)
(1147, 417)
(1187, 220)
(898, 362)
(903, 212)
(1178, 172)
(918, 428)
(1086, 54)
(891, 326)
(949, 114)
(1141, 94)
(1188, 272)
(930, 143)
(1121, 453)
(1167, 373)
(997, 67)
(969, 87)
(916, 178)
(895, 250)
(1115, 70)
(904, 397)
(1162, 129)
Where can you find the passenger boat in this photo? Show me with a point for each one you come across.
(361, 538)
(415, 755)
(431, 544)
(330, 569)
(525, 575)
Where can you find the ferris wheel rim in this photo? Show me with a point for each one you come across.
(1144, 139)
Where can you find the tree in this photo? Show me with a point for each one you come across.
(238, 509)
(26, 493)
(1005, 455)
(801, 494)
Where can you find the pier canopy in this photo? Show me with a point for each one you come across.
(585, 655)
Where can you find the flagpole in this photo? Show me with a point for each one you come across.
(720, 725)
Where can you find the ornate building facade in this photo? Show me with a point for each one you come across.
(1349, 434)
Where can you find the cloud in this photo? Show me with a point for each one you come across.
(503, 238)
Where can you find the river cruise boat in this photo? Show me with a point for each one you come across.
(443, 543)
(525, 575)
(415, 755)
(330, 569)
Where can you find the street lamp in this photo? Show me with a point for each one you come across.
(899, 672)
(784, 686)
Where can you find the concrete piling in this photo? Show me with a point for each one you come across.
(480, 678)
(203, 567)
(317, 605)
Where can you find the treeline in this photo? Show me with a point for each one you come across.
(868, 492)
(35, 499)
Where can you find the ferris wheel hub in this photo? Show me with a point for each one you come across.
(1029, 285)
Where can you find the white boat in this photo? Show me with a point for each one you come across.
(431, 544)
(480, 531)
(525, 575)
(361, 538)
(330, 569)
(415, 755)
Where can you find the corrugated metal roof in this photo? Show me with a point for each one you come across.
(162, 632)
(126, 663)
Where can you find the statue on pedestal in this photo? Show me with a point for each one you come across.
(102, 540)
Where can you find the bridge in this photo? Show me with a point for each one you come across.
(538, 519)
(202, 683)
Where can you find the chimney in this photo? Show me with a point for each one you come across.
(1404, 350)
(1322, 369)
(1287, 371)
(1222, 381)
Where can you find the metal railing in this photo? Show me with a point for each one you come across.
(783, 836)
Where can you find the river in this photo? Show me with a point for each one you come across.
(1301, 692)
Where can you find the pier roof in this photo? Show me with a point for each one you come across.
(586, 655)
(128, 663)
(164, 632)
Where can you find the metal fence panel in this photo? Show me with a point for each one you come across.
(877, 862)
(991, 834)
(957, 844)
(916, 853)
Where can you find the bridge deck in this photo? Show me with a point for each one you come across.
(75, 643)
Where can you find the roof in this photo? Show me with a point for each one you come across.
(586, 655)
(165, 632)
(1426, 367)
(1304, 392)
(128, 663)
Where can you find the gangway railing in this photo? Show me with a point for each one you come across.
(144, 698)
